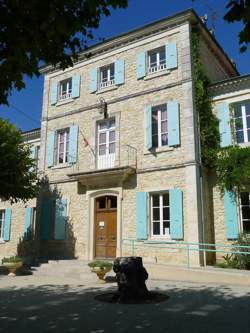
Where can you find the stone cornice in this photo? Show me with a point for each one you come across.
(31, 135)
(230, 85)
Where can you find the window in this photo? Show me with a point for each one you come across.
(156, 60)
(65, 89)
(159, 126)
(106, 144)
(107, 76)
(160, 215)
(2, 218)
(62, 146)
(245, 211)
(242, 122)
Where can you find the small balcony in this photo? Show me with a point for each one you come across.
(107, 168)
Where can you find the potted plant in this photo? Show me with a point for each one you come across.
(100, 267)
(12, 264)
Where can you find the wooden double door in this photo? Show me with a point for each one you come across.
(105, 227)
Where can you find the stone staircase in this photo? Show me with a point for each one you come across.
(73, 269)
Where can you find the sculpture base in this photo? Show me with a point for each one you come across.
(152, 297)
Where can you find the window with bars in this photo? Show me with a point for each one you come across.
(245, 211)
(62, 146)
(107, 76)
(156, 60)
(2, 218)
(242, 122)
(65, 89)
(160, 215)
(159, 126)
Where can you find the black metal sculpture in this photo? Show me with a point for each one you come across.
(131, 277)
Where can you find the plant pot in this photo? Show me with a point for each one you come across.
(100, 272)
(12, 267)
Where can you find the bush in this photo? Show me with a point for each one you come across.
(238, 261)
(100, 263)
(14, 259)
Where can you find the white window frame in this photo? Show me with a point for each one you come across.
(68, 94)
(244, 125)
(110, 81)
(158, 67)
(159, 110)
(65, 141)
(2, 212)
(107, 131)
(161, 235)
(241, 215)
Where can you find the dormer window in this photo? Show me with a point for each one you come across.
(107, 76)
(65, 89)
(156, 60)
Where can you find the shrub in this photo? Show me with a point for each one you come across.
(14, 259)
(100, 263)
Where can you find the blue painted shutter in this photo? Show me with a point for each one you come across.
(27, 222)
(93, 80)
(224, 125)
(176, 214)
(76, 86)
(73, 134)
(141, 65)
(46, 218)
(50, 149)
(141, 215)
(53, 93)
(7, 223)
(171, 55)
(60, 219)
(173, 124)
(149, 127)
(231, 215)
(119, 71)
(32, 152)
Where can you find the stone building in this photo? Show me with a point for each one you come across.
(119, 150)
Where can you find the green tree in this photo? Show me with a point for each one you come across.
(47, 31)
(18, 179)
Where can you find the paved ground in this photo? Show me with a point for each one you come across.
(35, 304)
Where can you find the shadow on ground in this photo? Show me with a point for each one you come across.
(66, 308)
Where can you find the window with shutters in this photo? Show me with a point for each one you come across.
(245, 211)
(107, 76)
(159, 126)
(65, 89)
(160, 214)
(2, 218)
(156, 60)
(62, 146)
(242, 122)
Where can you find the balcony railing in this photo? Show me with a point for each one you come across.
(65, 96)
(106, 84)
(125, 156)
(157, 68)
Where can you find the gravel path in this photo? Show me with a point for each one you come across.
(35, 304)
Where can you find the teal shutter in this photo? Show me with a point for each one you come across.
(119, 71)
(231, 215)
(176, 214)
(171, 55)
(173, 124)
(141, 65)
(27, 223)
(32, 152)
(149, 127)
(7, 223)
(60, 219)
(50, 149)
(93, 80)
(53, 93)
(46, 218)
(76, 86)
(73, 134)
(141, 215)
(224, 125)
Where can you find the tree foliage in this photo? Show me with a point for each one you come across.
(239, 11)
(47, 31)
(18, 179)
